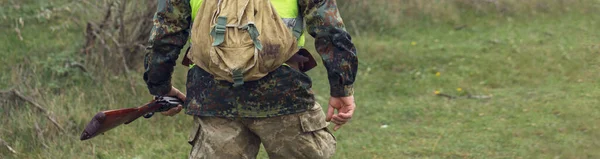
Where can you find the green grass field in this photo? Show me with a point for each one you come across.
(541, 72)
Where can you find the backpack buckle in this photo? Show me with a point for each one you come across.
(218, 31)
(238, 77)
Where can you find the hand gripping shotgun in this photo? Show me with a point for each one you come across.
(106, 120)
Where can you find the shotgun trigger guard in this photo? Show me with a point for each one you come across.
(148, 115)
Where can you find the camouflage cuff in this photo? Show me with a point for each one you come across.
(342, 91)
(160, 89)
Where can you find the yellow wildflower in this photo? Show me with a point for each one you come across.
(413, 43)
(459, 89)
(436, 92)
(438, 74)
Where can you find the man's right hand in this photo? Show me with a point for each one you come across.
(345, 108)
(174, 93)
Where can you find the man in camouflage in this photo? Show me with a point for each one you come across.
(278, 110)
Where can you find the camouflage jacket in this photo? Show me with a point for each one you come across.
(283, 91)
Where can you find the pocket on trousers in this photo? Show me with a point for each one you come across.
(194, 132)
(315, 129)
(313, 119)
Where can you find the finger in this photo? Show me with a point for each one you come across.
(340, 119)
(337, 127)
(178, 109)
(167, 113)
(172, 111)
(329, 113)
(347, 113)
(337, 122)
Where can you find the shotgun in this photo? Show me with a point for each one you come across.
(106, 120)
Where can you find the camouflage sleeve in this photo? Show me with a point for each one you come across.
(169, 35)
(333, 43)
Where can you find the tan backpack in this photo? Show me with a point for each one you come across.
(240, 40)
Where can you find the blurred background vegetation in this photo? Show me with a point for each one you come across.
(437, 79)
(395, 16)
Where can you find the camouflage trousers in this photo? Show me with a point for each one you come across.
(302, 135)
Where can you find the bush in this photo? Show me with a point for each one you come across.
(116, 39)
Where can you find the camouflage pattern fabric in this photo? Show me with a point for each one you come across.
(302, 135)
(284, 91)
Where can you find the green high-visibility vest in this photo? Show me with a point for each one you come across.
(287, 9)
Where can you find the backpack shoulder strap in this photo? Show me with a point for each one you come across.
(299, 26)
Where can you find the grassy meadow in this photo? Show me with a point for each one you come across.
(536, 62)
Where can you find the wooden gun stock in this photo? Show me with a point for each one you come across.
(106, 120)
